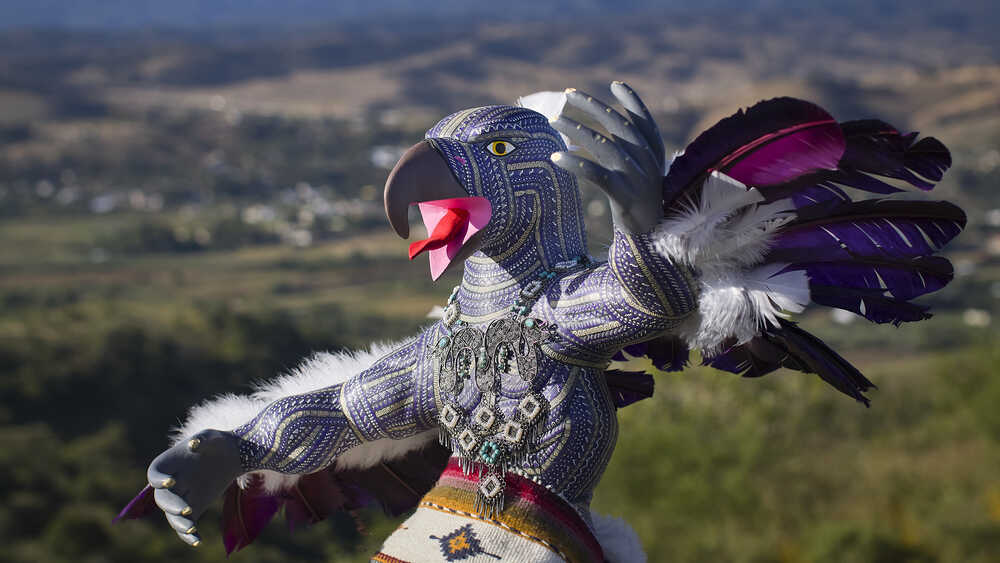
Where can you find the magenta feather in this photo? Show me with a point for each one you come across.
(772, 142)
(787, 154)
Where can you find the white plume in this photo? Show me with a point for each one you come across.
(548, 103)
(618, 540)
(724, 236)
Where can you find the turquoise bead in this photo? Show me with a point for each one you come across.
(489, 452)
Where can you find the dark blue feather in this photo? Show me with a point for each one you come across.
(903, 279)
(872, 304)
(787, 345)
(875, 147)
(870, 228)
(627, 387)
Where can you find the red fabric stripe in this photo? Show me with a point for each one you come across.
(520, 489)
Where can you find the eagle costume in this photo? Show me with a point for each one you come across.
(494, 425)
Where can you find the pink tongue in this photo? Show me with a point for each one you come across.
(450, 224)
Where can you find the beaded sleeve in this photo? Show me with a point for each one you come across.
(637, 295)
(304, 433)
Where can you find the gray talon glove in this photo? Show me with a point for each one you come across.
(190, 475)
(630, 162)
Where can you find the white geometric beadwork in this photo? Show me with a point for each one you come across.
(484, 417)
(530, 408)
(491, 486)
(512, 432)
(467, 440)
(450, 417)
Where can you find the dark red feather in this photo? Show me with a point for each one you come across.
(245, 514)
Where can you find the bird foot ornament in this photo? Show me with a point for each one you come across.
(494, 425)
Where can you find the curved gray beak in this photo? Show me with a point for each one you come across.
(420, 175)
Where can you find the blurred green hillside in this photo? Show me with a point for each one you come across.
(183, 214)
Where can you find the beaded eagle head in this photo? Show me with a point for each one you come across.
(483, 179)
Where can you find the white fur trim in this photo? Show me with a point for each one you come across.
(618, 540)
(324, 369)
(724, 237)
(371, 454)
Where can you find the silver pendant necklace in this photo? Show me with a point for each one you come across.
(466, 359)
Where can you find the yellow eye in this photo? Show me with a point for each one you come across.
(500, 148)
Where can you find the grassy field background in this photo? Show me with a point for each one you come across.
(183, 214)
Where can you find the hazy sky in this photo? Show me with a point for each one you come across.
(290, 13)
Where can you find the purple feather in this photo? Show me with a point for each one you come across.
(875, 147)
(633, 350)
(871, 304)
(816, 357)
(870, 228)
(628, 387)
(755, 358)
(668, 353)
(789, 346)
(903, 279)
(245, 514)
(772, 142)
(142, 505)
(805, 192)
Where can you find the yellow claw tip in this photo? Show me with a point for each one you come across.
(556, 156)
(168, 482)
(187, 511)
(570, 90)
(193, 444)
(191, 530)
(196, 543)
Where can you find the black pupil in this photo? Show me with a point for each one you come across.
(500, 148)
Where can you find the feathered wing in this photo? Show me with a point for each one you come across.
(393, 474)
(757, 206)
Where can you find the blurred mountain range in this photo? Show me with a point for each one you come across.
(965, 16)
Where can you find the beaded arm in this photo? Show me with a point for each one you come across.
(304, 433)
(636, 296)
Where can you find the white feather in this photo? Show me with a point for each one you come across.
(550, 104)
(230, 411)
(684, 236)
(724, 237)
(618, 540)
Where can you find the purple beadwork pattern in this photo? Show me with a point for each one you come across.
(598, 309)
(303, 433)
